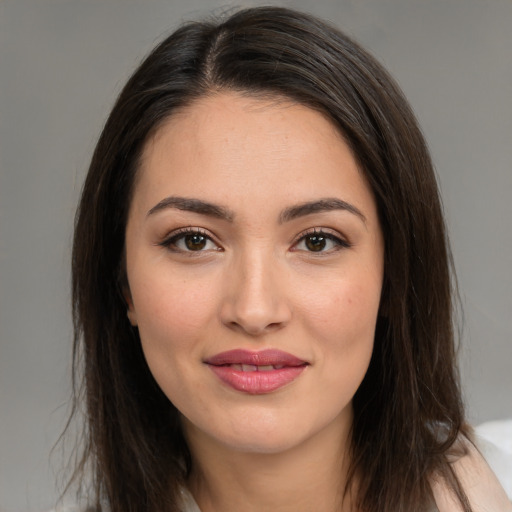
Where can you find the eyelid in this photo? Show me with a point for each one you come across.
(169, 239)
(329, 233)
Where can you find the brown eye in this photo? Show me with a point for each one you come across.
(315, 243)
(190, 241)
(320, 242)
(195, 242)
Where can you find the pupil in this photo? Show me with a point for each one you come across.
(315, 243)
(195, 242)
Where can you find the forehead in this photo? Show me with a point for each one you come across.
(228, 146)
(232, 120)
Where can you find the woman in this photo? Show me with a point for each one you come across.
(261, 286)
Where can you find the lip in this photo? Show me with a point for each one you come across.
(257, 377)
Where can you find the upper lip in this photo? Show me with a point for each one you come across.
(256, 358)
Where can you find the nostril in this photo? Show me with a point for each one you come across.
(254, 329)
(254, 307)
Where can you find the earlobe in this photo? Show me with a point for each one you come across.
(130, 310)
(131, 316)
(124, 289)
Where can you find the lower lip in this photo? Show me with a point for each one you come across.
(257, 383)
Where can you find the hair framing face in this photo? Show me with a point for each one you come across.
(408, 410)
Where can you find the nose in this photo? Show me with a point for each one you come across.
(256, 300)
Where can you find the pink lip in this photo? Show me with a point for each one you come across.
(256, 381)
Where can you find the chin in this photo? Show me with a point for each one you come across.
(248, 433)
(263, 444)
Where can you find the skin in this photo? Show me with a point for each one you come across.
(256, 284)
(481, 486)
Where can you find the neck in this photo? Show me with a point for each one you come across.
(310, 476)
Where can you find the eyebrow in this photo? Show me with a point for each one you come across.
(193, 205)
(319, 206)
(288, 214)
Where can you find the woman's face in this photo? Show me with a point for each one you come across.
(255, 266)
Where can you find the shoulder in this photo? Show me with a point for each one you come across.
(71, 507)
(187, 504)
(481, 486)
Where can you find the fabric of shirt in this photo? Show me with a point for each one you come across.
(494, 441)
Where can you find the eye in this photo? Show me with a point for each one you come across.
(190, 240)
(319, 242)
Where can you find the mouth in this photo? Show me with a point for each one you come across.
(254, 368)
(256, 372)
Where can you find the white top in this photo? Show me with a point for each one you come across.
(189, 504)
(495, 443)
(480, 483)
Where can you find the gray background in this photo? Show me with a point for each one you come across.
(63, 63)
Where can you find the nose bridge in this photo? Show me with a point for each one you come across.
(257, 278)
(256, 302)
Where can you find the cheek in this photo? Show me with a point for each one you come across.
(173, 308)
(172, 314)
(342, 319)
(343, 309)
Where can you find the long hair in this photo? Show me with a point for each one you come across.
(407, 412)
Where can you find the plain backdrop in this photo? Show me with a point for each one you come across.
(62, 64)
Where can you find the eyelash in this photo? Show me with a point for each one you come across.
(339, 243)
(171, 241)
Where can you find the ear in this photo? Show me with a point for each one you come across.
(132, 316)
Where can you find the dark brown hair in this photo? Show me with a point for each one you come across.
(408, 412)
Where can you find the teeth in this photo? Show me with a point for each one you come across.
(254, 368)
